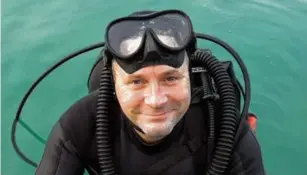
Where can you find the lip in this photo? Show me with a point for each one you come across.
(157, 117)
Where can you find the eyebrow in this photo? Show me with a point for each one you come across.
(170, 72)
(139, 75)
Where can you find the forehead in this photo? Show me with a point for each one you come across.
(154, 70)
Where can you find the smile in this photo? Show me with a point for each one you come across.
(159, 114)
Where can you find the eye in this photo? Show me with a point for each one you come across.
(171, 78)
(136, 81)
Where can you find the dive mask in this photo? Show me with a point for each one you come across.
(149, 39)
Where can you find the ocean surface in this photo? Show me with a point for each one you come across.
(270, 36)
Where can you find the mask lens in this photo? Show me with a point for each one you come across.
(125, 37)
(172, 30)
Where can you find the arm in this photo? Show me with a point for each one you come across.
(59, 156)
(247, 158)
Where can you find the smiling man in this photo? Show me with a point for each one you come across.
(142, 118)
(154, 98)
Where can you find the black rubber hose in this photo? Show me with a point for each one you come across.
(211, 111)
(228, 121)
(104, 148)
(33, 86)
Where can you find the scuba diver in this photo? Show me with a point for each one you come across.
(157, 104)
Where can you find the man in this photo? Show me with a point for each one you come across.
(143, 121)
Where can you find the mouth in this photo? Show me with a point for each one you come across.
(158, 116)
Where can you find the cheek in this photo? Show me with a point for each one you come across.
(123, 94)
(180, 96)
(126, 98)
(182, 90)
(184, 98)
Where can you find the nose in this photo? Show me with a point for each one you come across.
(155, 97)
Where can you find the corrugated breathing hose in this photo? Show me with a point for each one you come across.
(104, 148)
(228, 122)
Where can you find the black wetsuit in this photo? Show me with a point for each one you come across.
(71, 146)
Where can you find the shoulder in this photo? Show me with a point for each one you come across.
(78, 121)
(247, 156)
(80, 112)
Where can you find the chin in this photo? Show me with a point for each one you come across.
(160, 126)
(154, 129)
(157, 135)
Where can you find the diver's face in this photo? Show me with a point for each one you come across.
(154, 98)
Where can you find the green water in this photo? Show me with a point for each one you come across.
(270, 35)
